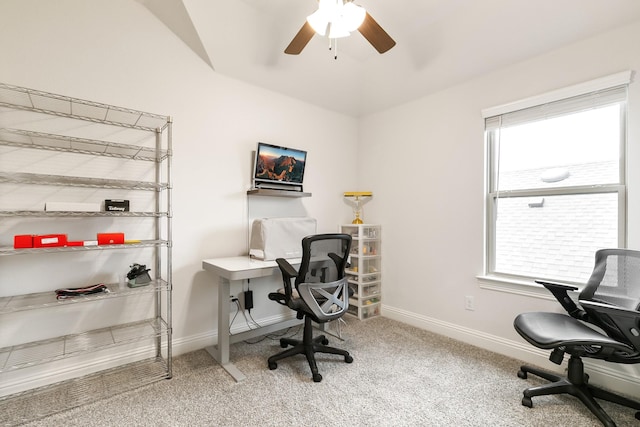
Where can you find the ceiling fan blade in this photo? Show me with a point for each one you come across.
(373, 32)
(300, 40)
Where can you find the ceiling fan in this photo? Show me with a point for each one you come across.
(336, 19)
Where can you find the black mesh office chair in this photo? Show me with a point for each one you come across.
(320, 293)
(610, 301)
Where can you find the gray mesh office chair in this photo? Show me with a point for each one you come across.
(611, 302)
(319, 293)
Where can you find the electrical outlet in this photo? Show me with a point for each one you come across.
(469, 303)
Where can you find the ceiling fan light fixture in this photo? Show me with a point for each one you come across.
(336, 19)
(338, 30)
(352, 16)
(319, 21)
(339, 17)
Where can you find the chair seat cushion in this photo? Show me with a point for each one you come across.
(294, 292)
(551, 330)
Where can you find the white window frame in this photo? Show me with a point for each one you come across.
(526, 285)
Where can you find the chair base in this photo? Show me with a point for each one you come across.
(575, 384)
(308, 346)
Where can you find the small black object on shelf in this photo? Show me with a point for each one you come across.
(138, 276)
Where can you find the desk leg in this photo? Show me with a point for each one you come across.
(220, 352)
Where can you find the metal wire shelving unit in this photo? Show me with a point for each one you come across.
(143, 336)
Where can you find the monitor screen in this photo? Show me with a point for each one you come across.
(280, 165)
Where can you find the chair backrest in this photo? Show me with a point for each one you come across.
(615, 282)
(321, 280)
(615, 279)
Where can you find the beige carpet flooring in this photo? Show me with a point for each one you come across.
(401, 376)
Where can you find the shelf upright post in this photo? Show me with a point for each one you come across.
(158, 236)
(170, 245)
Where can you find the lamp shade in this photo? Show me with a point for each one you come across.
(319, 20)
(338, 30)
(337, 17)
(352, 16)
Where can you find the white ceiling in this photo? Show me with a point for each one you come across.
(439, 43)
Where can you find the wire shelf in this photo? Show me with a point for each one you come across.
(74, 181)
(142, 244)
(45, 141)
(64, 106)
(25, 133)
(39, 300)
(20, 408)
(45, 351)
(82, 214)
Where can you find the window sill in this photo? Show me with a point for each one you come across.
(514, 286)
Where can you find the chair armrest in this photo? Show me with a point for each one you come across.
(554, 285)
(288, 273)
(561, 293)
(287, 269)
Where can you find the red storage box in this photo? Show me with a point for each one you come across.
(110, 238)
(49, 240)
(22, 241)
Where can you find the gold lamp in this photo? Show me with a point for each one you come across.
(357, 199)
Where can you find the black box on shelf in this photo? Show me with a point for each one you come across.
(116, 205)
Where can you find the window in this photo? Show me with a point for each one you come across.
(555, 188)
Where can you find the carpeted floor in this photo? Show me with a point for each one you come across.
(400, 376)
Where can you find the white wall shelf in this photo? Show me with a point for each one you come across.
(276, 193)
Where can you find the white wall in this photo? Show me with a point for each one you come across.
(429, 196)
(117, 53)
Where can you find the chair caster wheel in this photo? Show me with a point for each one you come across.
(284, 345)
(325, 341)
(526, 401)
(638, 415)
(317, 378)
(348, 359)
(522, 374)
(273, 365)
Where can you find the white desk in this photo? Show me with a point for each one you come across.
(236, 269)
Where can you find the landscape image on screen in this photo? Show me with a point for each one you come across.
(280, 164)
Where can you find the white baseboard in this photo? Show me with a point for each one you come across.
(619, 378)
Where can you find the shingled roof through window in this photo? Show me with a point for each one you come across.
(556, 238)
